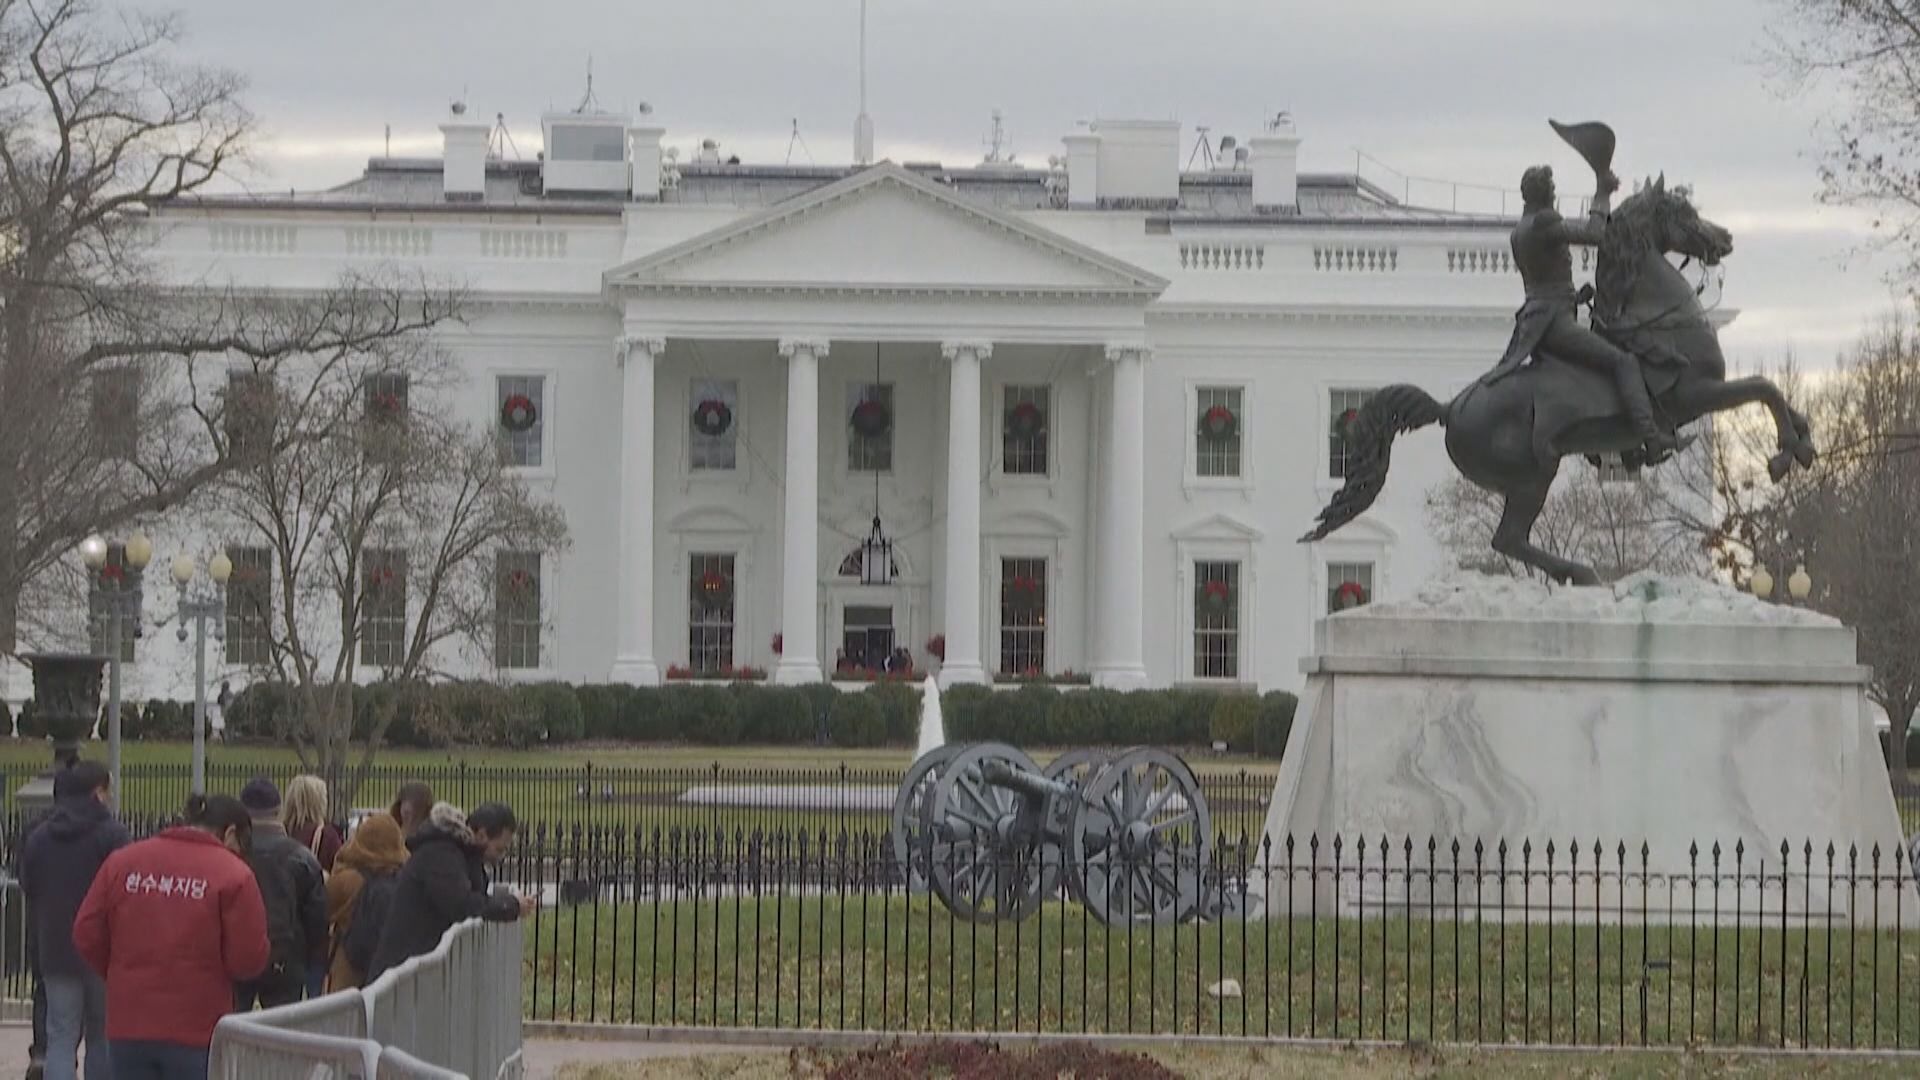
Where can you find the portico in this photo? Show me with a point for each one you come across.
(959, 306)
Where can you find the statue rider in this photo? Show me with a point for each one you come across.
(1547, 322)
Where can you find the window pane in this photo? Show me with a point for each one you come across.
(587, 142)
(249, 413)
(525, 448)
(386, 397)
(1218, 454)
(716, 402)
(1345, 404)
(867, 641)
(870, 453)
(516, 610)
(249, 605)
(1349, 585)
(105, 590)
(1023, 616)
(1024, 424)
(710, 600)
(116, 411)
(383, 607)
(1216, 620)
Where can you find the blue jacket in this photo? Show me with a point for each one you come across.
(61, 856)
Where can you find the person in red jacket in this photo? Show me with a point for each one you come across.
(171, 923)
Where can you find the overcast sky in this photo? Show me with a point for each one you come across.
(1457, 89)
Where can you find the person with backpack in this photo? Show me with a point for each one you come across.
(294, 889)
(171, 923)
(359, 896)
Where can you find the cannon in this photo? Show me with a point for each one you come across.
(993, 835)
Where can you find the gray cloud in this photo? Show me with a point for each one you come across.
(1457, 90)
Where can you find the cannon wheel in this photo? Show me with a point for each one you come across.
(1080, 767)
(909, 814)
(1141, 838)
(982, 868)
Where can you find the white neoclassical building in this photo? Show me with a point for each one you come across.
(1092, 405)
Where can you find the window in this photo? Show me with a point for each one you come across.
(1023, 616)
(1349, 585)
(516, 610)
(249, 605)
(866, 643)
(250, 411)
(383, 607)
(1216, 620)
(870, 427)
(522, 408)
(114, 577)
(1346, 404)
(386, 398)
(1219, 427)
(116, 411)
(712, 435)
(588, 142)
(710, 613)
(1023, 431)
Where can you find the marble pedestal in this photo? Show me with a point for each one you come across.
(1655, 718)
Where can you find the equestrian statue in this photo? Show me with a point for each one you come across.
(1648, 365)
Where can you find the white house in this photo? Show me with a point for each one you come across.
(729, 370)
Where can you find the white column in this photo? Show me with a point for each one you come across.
(633, 660)
(1123, 506)
(800, 558)
(963, 591)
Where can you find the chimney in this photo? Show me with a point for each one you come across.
(1275, 160)
(1083, 169)
(643, 148)
(1139, 163)
(463, 160)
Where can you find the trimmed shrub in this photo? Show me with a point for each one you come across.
(161, 720)
(1084, 718)
(600, 708)
(856, 720)
(643, 715)
(1145, 718)
(1192, 721)
(820, 699)
(129, 719)
(777, 715)
(1236, 721)
(701, 714)
(264, 710)
(560, 711)
(963, 710)
(30, 725)
(899, 710)
(6, 719)
(1276, 722)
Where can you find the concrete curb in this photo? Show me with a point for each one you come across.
(786, 1038)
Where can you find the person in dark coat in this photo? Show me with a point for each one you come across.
(445, 882)
(57, 868)
(294, 889)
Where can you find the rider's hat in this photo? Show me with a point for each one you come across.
(1593, 140)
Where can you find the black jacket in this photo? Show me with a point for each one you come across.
(294, 890)
(444, 882)
(61, 856)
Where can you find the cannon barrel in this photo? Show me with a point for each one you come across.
(1001, 774)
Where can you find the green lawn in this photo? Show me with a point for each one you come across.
(1198, 1061)
(903, 964)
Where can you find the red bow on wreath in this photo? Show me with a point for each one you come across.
(712, 417)
(870, 418)
(1346, 422)
(1216, 595)
(1350, 594)
(715, 588)
(517, 413)
(1218, 422)
(1026, 419)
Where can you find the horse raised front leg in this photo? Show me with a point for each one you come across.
(1792, 430)
(1514, 538)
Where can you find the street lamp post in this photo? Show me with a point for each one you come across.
(122, 597)
(210, 604)
(1799, 584)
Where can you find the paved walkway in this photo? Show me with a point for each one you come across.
(544, 1057)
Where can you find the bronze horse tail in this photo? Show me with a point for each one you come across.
(1388, 413)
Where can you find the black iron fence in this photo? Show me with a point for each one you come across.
(1807, 946)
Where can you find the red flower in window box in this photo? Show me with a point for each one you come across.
(1214, 596)
(715, 589)
(1219, 422)
(871, 418)
(712, 417)
(937, 647)
(1026, 420)
(779, 644)
(1350, 594)
(518, 414)
(386, 405)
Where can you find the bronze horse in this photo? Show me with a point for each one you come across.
(1508, 436)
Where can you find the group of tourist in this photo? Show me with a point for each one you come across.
(144, 946)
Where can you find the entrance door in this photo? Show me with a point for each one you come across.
(867, 641)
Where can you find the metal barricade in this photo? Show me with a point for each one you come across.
(244, 1048)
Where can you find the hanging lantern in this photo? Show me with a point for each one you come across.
(876, 557)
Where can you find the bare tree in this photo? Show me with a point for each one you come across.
(111, 378)
(390, 509)
(1618, 524)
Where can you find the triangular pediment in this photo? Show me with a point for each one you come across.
(1218, 527)
(886, 229)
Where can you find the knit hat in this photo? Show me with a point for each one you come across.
(260, 797)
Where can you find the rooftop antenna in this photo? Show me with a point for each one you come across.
(863, 125)
(588, 103)
(389, 142)
(997, 142)
(500, 140)
(796, 139)
(1202, 149)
